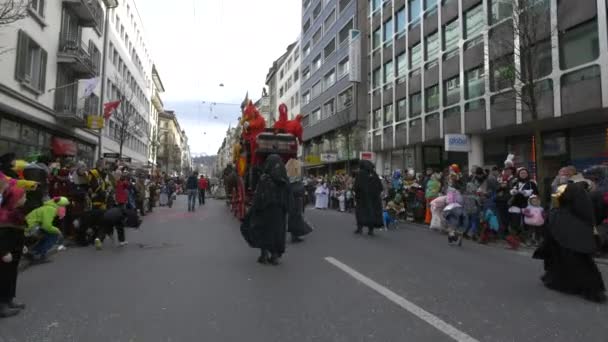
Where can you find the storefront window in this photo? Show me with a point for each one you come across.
(29, 135)
(9, 129)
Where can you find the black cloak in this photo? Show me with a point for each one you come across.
(368, 196)
(296, 224)
(267, 217)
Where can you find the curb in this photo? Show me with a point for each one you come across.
(524, 251)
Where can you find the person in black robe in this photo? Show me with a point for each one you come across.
(296, 225)
(569, 245)
(368, 197)
(269, 211)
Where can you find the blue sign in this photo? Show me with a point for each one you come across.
(457, 143)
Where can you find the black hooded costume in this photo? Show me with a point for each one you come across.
(265, 224)
(368, 193)
(296, 224)
(569, 245)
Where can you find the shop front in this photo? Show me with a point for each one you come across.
(28, 140)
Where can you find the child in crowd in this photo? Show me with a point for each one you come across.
(534, 219)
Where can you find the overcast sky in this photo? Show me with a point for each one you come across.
(198, 44)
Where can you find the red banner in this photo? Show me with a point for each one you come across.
(63, 147)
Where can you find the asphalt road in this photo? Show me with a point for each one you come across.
(191, 277)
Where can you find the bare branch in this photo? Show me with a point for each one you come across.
(129, 124)
(12, 11)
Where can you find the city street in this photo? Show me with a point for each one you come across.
(191, 277)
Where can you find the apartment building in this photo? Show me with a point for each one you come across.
(46, 61)
(157, 108)
(434, 72)
(130, 77)
(289, 81)
(272, 82)
(333, 90)
(170, 150)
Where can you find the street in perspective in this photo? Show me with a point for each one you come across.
(303, 170)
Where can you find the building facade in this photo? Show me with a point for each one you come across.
(272, 83)
(288, 81)
(333, 87)
(129, 77)
(157, 108)
(48, 57)
(170, 157)
(434, 71)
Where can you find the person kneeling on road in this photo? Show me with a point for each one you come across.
(116, 218)
(40, 224)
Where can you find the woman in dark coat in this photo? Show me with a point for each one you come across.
(569, 245)
(269, 211)
(296, 225)
(368, 196)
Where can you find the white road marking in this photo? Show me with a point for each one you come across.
(412, 308)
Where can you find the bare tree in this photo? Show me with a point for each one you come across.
(518, 51)
(129, 123)
(12, 11)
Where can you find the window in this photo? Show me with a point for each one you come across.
(473, 22)
(432, 45)
(376, 78)
(374, 5)
(451, 34)
(306, 73)
(296, 76)
(306, 98)
(415, 56)
(400, 21)
(330, 20)
(502, 73)
(329, 79)
(451, 91)
(388, 114)
(343, 67)
(389, 72)
(329, 48)
(500, 9)
(414, 11)
(316, 63)
(343, 4)
(377, 118)
(38, 7)
(306, 50)
(315, 116)
(95, 57)
(415, 104)
(345, 99)
(475, 83)
(578, 45)
(388, 31)
(306, 26)
(31, 63)
(430, 4)
(316, 89)
(281, 92)
(296, 54)
(345, 31)
(401, 110)
(401, 68)
(305, 4)
(431, 97)
(329, 108)
(317, 11)
(376, 39)
(317, 36)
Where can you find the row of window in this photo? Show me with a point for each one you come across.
(329, 19)
(342, 37)
(132, 142)
(474, 88)
(290, 62)
(330, 78)
(123, 71)
(116, 92)
(329, 108)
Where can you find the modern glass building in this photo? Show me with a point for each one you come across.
(436, 68)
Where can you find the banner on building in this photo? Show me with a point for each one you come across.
(95, 122)
(457, 143)
(354, 56)
(329, 157)
(312, 159)
(63, 147)
(371, 156)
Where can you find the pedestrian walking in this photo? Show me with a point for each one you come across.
(269, 210)
(203, 184)
(192, 190)
(567, 251)
(122, 191)
(368, 197)
(12, 225)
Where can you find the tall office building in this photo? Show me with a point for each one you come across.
(333, 84)
(435, 70)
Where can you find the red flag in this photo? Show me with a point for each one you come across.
(109, 107)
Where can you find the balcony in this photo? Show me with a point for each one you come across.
(89, 12)
(72, 110)
(74, 54)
